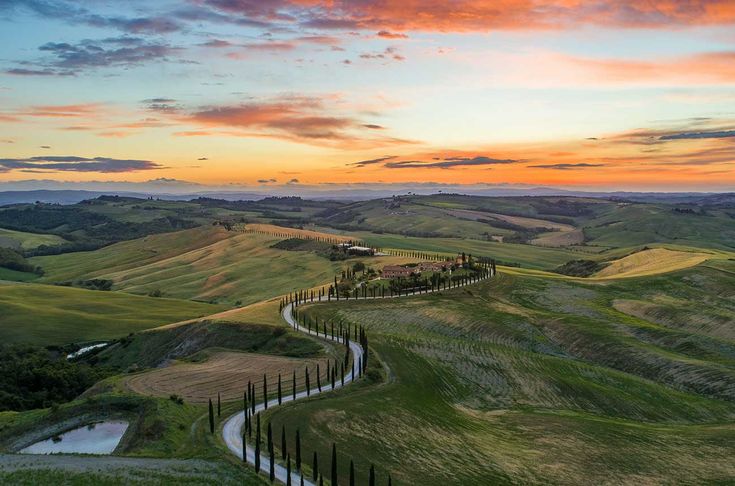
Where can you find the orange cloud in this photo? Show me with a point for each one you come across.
(715, 67)
(484, 15)
(64, 111)
(299, 119)
(686, 153)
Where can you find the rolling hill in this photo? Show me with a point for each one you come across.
(48, 314)
(531, 380)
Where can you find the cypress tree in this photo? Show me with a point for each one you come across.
(219, 405)
(390, 480)
(334, 464)
(211, 417)
(306, 373)
(371, 478)
(265, 392)
(318, 378)
(314, 468)
(352, 473)
(271, 455)
(280, 398)
(293, 383)
(283, 442)
(321, 480)
(298, 449)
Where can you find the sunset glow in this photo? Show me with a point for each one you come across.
(586, 94)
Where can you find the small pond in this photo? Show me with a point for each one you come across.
(98, 438)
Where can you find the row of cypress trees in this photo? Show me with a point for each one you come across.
(487, 270)
(286, 456)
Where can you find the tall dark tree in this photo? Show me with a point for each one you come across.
(315, 467)
(271, 455)
(252, 399)
(334, 464)
(280, 396)
(352, 473)
(390, 480)
(371, 477)
(318, 378)
(298, 449)
(306, 374)
(265, 392)
(219, 405)
(211, 417)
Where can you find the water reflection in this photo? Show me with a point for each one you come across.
(98, 438)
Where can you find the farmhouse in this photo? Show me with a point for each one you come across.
(397, 271)
(434, 266)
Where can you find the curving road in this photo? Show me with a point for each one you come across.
(232, 428)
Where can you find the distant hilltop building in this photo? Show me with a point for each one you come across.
(434, 266)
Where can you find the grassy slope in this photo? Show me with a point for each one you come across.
(651, 262)
(640, 224)
(526, 255)
(46, 314)
(207, 263)
(27, 241)
(526, 379)
(16, 276)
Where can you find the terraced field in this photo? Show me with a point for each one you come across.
(532, 380)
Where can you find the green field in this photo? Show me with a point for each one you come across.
(531, 380)
(525, 255)
(16, 276)
(47, 314)
(207, 264)
(20, 240)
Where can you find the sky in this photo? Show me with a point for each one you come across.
(582, 94)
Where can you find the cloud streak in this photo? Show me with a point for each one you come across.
(66, 59)
(566, 166)
(76, 164)
(302, 119)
